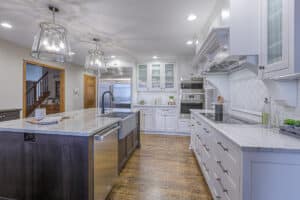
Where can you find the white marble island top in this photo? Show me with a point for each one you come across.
(254, 137)
(84, 122)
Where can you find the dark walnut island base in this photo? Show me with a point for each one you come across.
(77, 159)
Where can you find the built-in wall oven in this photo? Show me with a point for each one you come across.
(191, 96)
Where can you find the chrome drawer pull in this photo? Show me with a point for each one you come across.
(206, 148)
(221, 145)
(220, 182)
(222, 167)
(205, 167)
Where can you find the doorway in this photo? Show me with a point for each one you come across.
(43, 87)
(89, 91)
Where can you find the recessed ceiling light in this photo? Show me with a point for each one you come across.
(154, 57)
(190, 42)
(113, 56)
(191, 17)
(6, 25)
(225, 14)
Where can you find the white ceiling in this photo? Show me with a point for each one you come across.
(130, 28)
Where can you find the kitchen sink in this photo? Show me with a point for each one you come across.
(127, 124)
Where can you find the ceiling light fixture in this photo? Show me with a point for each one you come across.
(6, 25)
(113, 56)
(95, 57)
(155, 57)
(190, 42)
(51, 42)
(191, 17)
(225, 14)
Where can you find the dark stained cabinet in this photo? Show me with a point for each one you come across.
(66, 163)
(128, 144)
(10, 114)
(11, 160)
(44, 167)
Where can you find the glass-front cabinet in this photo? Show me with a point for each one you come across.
(277, 37)
(156, 77)
(142, 80)
(169, 76)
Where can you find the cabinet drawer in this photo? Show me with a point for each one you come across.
(227, 159)
(147, 111)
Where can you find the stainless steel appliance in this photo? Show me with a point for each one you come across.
(105, 161)
(228, 119)
(117, 80)
(192, 86)
(191, 96)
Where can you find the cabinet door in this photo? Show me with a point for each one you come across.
(171, 123)
(169, 77)
(275, 35)
(130, 143)
(142, 80)
(160, 120)
(56, 168)
(11, 168)
(148, 121)
(156, 77)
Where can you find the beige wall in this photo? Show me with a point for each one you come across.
(11, 77)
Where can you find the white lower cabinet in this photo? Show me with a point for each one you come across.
(218, 158)
(155, 119)
(147, 119)
(184, 126)
(235, 173)
(166, 119)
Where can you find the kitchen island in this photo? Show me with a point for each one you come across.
(245, 162)
(76, 158)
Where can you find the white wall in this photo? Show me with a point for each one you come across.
(11, 77)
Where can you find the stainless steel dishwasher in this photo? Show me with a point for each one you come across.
(105, 161)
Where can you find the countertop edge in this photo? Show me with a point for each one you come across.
(244, 148)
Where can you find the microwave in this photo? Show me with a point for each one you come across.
(191, 85)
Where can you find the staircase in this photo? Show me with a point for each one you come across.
(37, 94)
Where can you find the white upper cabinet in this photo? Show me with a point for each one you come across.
(279, 45)
(156, 77)
(169, 76)
(142, 80)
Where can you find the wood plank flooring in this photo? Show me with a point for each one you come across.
(163, 169)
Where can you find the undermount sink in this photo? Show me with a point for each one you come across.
(117, 114)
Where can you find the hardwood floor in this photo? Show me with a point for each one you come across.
(163, 169)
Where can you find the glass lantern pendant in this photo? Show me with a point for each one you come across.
(51, 42)
(94, 59)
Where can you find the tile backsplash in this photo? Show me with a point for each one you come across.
(247, 92)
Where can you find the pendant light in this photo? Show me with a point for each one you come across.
(94, 59)
(51, 42)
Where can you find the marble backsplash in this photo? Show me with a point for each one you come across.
(247, 92)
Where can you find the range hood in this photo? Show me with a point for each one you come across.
(215, 55)
(234, 63)
(116, 73)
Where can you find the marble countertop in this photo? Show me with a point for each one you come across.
(84, 122)
(254, 137)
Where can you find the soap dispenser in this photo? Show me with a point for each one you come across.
(266, 113)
